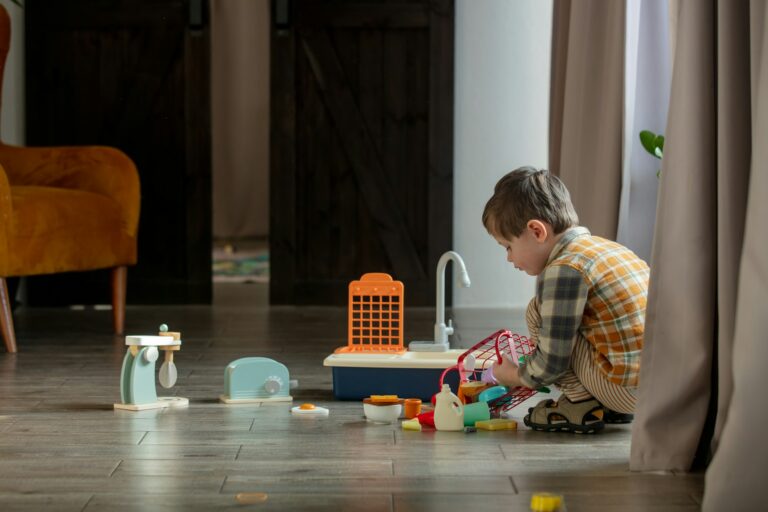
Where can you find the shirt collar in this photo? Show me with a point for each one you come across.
(567, 237)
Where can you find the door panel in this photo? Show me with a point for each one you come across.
(361, 147)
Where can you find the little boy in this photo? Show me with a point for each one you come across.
(588, 314)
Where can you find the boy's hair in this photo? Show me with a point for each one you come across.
(525, 194)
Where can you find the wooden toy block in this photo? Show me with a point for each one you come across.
(496, 424)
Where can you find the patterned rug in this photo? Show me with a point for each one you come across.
(241, 267)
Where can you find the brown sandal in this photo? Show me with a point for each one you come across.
(585, 417)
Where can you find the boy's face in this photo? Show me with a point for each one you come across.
(529, 252)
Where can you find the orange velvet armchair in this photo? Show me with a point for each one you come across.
(64, 209)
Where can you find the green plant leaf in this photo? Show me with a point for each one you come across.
(652, 143)
(647, 139)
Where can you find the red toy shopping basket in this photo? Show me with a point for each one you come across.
(481, 356)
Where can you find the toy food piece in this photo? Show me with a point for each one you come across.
(496, 424)
(427, 419)
(249, 498)
(547, 502)
(384, 399)
(369, 401)
(309, 410)
(412, 425)
(468, 391)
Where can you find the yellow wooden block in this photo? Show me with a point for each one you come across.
(496, 424)
(412, 425)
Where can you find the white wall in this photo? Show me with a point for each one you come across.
(12, 115)
(501, 123)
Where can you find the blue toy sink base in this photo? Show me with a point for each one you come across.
(356, 383)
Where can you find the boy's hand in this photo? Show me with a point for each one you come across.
(506, 373)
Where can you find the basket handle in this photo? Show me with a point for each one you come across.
(445, 372)
(498, 352)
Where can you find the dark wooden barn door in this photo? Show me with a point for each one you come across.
(133, 74)
(362, 146)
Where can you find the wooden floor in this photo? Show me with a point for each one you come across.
(63, 447)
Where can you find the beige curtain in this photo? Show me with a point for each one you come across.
(586, 107)
(737, 475)
(709, 273)
(240, 117)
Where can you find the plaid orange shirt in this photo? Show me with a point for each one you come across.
(597, 289)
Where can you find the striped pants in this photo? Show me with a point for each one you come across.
(584, 379)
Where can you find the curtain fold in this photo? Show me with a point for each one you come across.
(240, 117)
(734, 151)
(586, 110)
(680, 318)
(736, 476)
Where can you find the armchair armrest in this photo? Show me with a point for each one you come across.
(98, 169)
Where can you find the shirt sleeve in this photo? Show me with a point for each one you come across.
(562, 293)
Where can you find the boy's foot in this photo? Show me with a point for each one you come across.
(585, 417)
(617, 417)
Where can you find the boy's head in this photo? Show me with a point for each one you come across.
(527, 211)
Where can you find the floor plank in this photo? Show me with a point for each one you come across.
(276, 502)
(63, 501)
(64, 447)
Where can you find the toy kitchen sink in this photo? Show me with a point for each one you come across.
(411, 374)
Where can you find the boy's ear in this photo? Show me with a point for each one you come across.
(538, 229)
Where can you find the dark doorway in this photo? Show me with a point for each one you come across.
(133, 74)
(362, 146)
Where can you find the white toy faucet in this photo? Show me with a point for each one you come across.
(442, 331)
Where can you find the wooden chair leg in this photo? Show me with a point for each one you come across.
(119, 282)
(6, 318)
